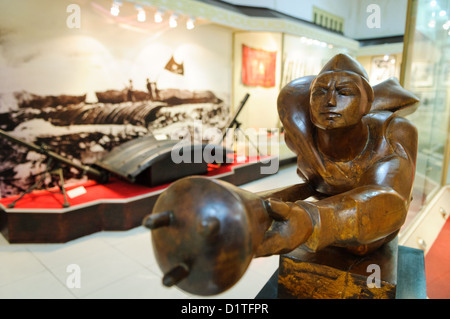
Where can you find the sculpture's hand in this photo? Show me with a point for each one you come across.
(290, 228)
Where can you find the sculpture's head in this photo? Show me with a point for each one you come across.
(340, 95)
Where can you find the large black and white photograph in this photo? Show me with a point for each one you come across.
(80, 92)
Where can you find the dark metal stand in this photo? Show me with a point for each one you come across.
(410, 276)
(235, 124)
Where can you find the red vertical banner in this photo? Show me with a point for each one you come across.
(258, 67)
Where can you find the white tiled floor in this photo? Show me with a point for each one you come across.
(114, 264)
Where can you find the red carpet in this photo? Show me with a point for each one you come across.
(43, 199)
(437, 265)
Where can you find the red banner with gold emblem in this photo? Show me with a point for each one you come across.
(258, 67)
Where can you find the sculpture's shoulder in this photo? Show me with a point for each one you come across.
(397, 131)
(379, 119)
(389, 121)
(293, 110)
(403, 137)
(294, 98)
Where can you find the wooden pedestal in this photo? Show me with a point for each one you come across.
(334, 273)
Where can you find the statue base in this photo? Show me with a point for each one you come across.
(334, 273)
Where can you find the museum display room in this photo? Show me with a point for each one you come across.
(119, 119)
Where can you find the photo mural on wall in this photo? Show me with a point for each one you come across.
(83, 100)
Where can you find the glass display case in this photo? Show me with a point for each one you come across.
(426, 72)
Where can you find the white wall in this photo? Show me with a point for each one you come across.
(392, 14)
(260, 111)
(301, 57)
(40, 54)
(392, 19)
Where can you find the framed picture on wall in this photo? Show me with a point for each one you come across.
(422, 74)
(382, 68)
(258, 67)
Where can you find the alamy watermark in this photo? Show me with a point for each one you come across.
(74, 279)
(374, 280)
(374, 18)
(73, 20)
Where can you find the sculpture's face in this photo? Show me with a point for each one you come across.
(337, 99)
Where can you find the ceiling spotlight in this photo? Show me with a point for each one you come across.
(190, 24)
(115, 8)
(432, 23)
(442, 13)
(158, 16)
(141, 15)
(173, 21)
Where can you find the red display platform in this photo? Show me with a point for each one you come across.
(39, 217)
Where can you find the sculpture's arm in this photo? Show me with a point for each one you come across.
(359, 219)
(364, 217)
(375, 209)
(292, 193)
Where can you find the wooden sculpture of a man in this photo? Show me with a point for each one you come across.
(356, 155)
